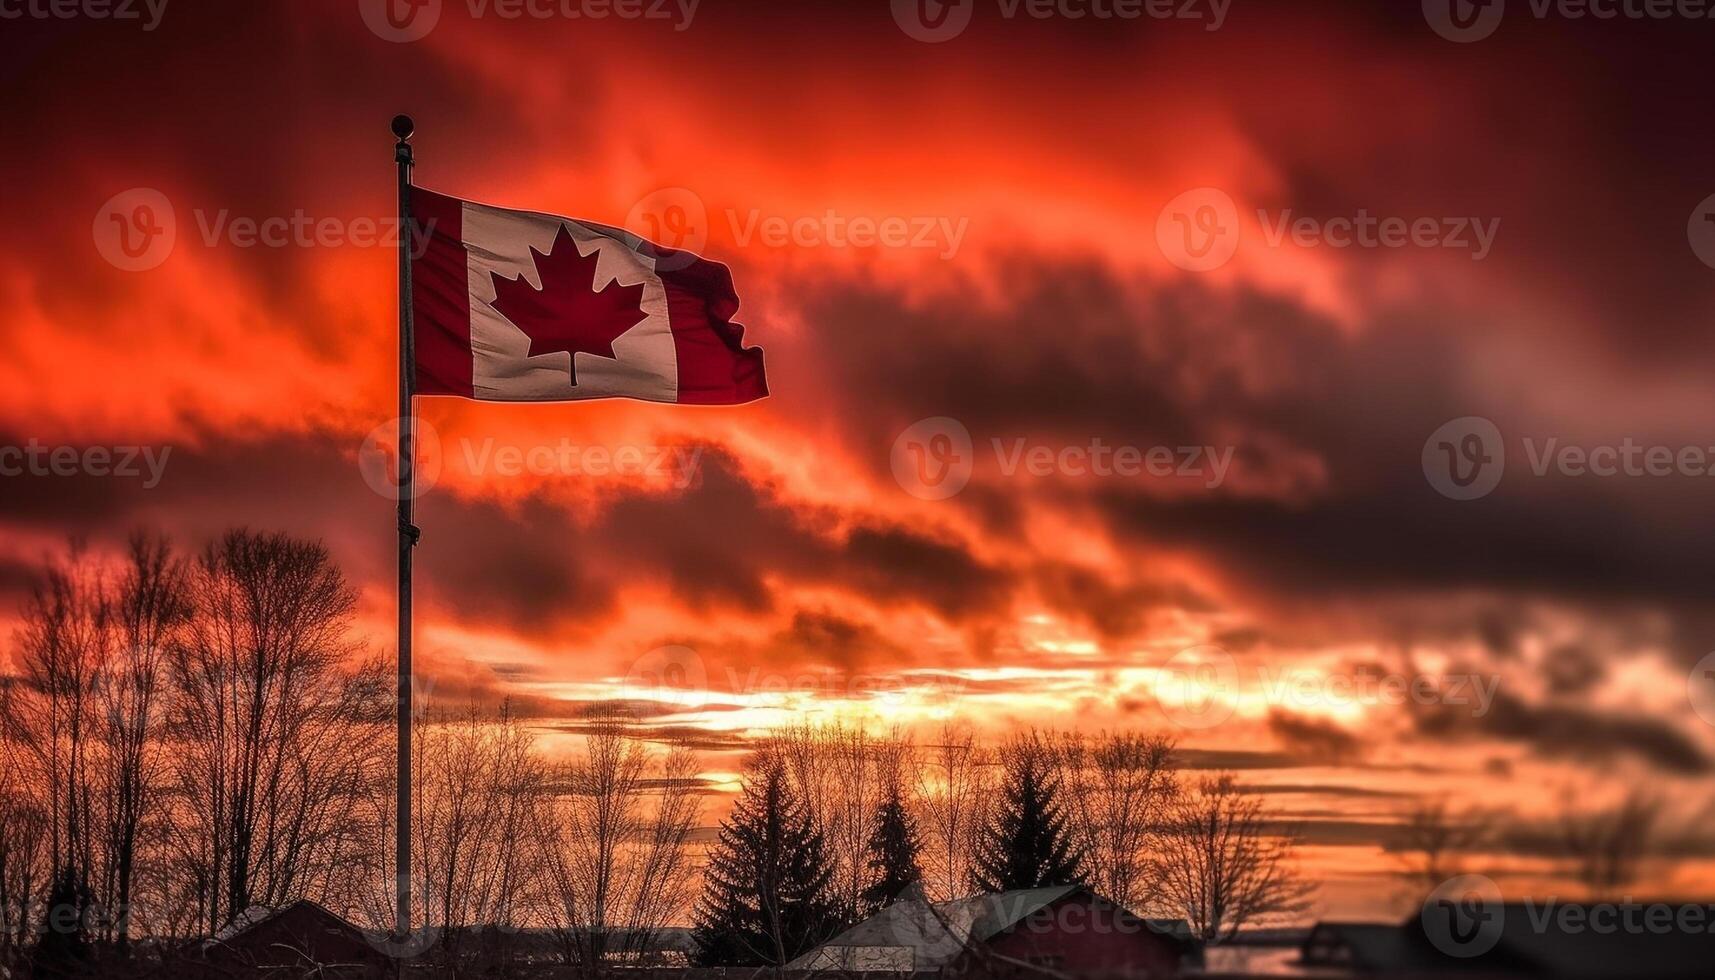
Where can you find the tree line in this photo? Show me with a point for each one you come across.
(188, 735)
(833, 824)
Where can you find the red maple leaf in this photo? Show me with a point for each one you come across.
(567, 313)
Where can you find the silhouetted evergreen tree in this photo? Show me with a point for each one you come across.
(893, 847)
(766, 894)
(63, 948)
(1026, 842)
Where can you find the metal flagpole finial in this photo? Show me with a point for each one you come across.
(403, 127)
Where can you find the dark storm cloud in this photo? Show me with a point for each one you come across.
(825, 637)
(1114, 609)
(1180, 365)
(1570, 731)
(533, 565)
(1313, 739)
(1223, 760)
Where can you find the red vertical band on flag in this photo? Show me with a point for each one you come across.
(440, 296)
(715, 368)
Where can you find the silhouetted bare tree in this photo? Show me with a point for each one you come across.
(23, 848)
(1432, 840)
(1117, 788)
(953, 790)
(620, 868)
(274, 739)
(477, 784)
(1222, 868)
(65, 642)
(838, 770)
(1606, 848)
(150, 610)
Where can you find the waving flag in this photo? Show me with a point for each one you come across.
(521, 306)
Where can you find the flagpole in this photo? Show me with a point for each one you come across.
(403, 127)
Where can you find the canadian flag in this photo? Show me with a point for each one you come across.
(521, 306)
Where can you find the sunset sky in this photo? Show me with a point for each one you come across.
(1039, 174)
